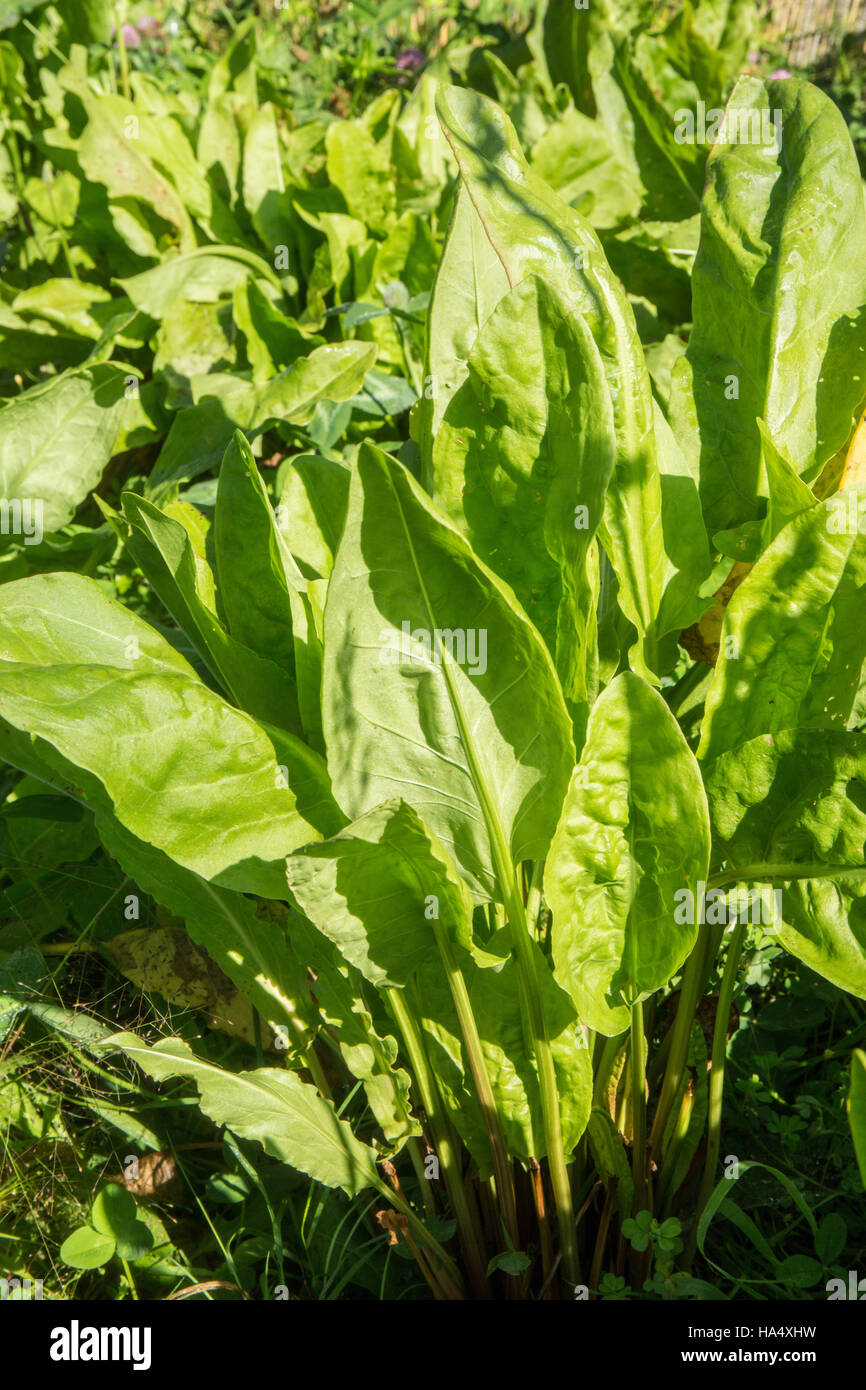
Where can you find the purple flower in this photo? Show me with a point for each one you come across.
(131, 37)
(779, 74)
(411, 58)
(754, 55)
(147, 26)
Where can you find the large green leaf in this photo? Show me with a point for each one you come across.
(263, 183)
(196, 441)
(788, 807)
(469, 284)
(470, 729)
(578, 159)
(55, 441)
(334, 372)
(793, 643)
(273, 340)
(287, 1116)
(178, 767)
(360, 168)
(634, 831)
(687, 548)
(264, 595)
(312, 510)
(202, 276)
(133, 155)
(533, 231)
(60, 619)
(522, 461)
(374, 888)
(163, 548)
(779, 292)
(650, 90)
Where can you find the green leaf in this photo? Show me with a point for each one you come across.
(687, 551)
(58, 619)
(134, 162)
(263, 183)
(334, 372)
(578, 159)
(521, 464)
(373, 889)
(634, 831)
(787, 808)
(311, 513)
(114, 1214)
(643, 92)
(471, 730)
(287, 1116)
(194, 338)
(832, 1233)
(202, 276)
(637, 1230)
(533, 231)
(69, 305)
(264, 595)
(134, 1241)
(800, 1271)
(113, 1209)
(510, 1262)
(362, 172)
(469, 284)
(179, 768)
(87, 1249)
(609, 1157)
(78, 1027)
(857, 1109)
(797, 358)
(55, 441)
(163, 549)
(792, 646)
(788, 494)
(273, 340)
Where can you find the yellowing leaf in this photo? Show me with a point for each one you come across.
(165, 960)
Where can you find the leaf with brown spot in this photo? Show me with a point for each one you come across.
(854, 470)
(166, 961)
(701, 640)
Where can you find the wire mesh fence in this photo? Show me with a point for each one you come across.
(811, 31)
